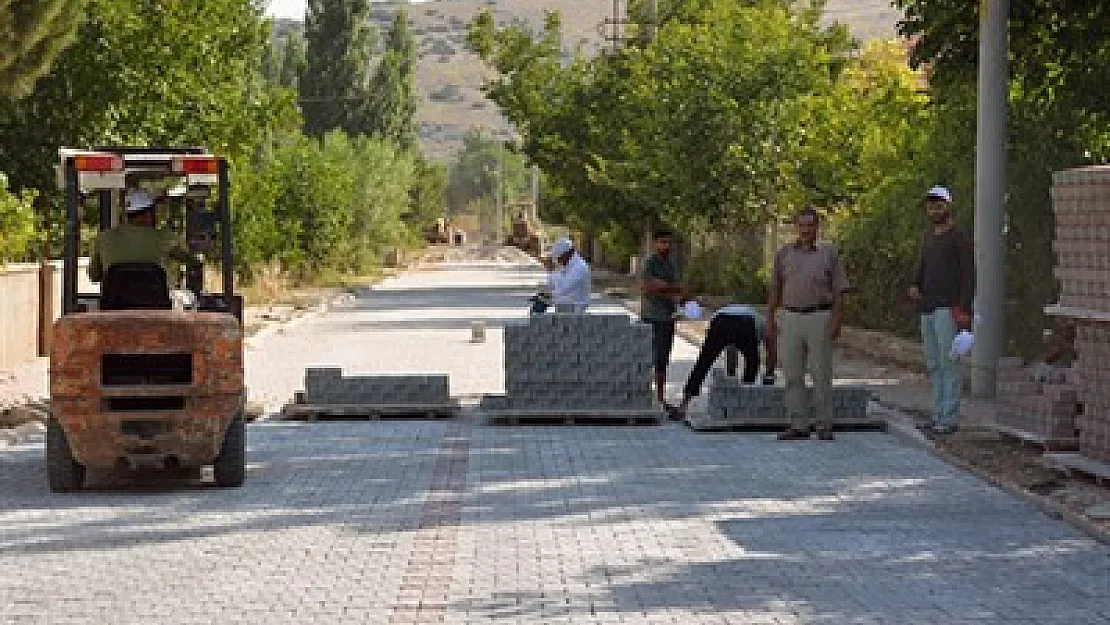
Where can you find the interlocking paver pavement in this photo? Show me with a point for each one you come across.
(459, 522)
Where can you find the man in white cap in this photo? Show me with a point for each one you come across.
(943, 287)
(569, 279)
(137, 240)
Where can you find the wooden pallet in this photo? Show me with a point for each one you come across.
(369, 412)
(568, 416)
(1078, 464)
(1042, 443)
(703, 423)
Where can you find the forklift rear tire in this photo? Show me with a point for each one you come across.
(231, 466)
(63, 473)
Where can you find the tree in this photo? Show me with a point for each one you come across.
(186, 73)
(293, 61)
(475, 172)
(34, 32)
(392, 90)
(334, 85)
(698, 127)
(17, 223)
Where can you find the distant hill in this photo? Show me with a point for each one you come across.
(449, 78)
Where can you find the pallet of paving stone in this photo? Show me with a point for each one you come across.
(706, 423)
(369, 412)
(1078, 464)
(736, 406)
(1043, 443)
(566, 416)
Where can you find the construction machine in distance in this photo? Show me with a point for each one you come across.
(525, 234)
(148, 387)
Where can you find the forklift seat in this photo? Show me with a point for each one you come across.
(135, 286)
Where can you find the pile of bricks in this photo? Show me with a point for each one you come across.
(734, 403)
(1040, 401)
(324, 386)
(1081, 198)
(576, 362)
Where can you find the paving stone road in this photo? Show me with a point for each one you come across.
(459, 522)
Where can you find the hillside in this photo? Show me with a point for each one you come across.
(449, 78)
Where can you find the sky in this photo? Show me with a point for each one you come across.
(294, 9)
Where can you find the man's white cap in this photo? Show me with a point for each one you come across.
(560, 247)
(138, 201)
(940, 193)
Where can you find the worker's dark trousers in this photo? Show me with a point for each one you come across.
(726, 330)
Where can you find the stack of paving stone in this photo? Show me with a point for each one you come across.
(564, 362)
(328, 386)
(1081, 199)
(1041, 402)
(733, 404)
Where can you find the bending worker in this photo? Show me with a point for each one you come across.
(569, 279)
(737, 326)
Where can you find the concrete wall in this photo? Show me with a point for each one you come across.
(20, 308)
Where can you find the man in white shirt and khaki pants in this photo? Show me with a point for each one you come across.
(569, 279)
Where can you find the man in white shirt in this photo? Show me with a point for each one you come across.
(737, 326)
(569, 279)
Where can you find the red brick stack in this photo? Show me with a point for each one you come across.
(1081, 198)
(1039, 400)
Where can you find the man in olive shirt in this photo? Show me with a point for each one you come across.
(944, 288)
(135, 241)
(804, 314)
(662, 291)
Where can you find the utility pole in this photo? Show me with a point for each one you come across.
(498, 200)
(990, 193)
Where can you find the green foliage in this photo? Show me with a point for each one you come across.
(1058, 120)
(316, 206)
(393, 98)
(17, 223)
(701, 127)
(182, 73)
(476, 169)
(427, 194)
(334, 85)
(34, 32)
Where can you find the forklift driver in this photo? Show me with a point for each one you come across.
(132, 259)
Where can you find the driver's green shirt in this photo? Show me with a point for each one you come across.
(128, 243)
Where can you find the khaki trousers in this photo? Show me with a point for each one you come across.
(804, 343)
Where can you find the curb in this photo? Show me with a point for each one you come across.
(322, 307)
(20, 434)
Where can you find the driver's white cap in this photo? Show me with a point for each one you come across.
(138, 201)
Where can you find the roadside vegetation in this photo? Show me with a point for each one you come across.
(326, 177)
(732, 115)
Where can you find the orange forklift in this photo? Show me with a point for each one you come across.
(148, 384)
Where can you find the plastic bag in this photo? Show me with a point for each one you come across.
(961, 345)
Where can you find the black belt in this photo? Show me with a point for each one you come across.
(806, 311)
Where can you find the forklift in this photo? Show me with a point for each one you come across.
(153, 386)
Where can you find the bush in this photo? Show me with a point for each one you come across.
(17, 223)
(324, 207)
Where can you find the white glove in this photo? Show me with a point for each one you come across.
(961, 345)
